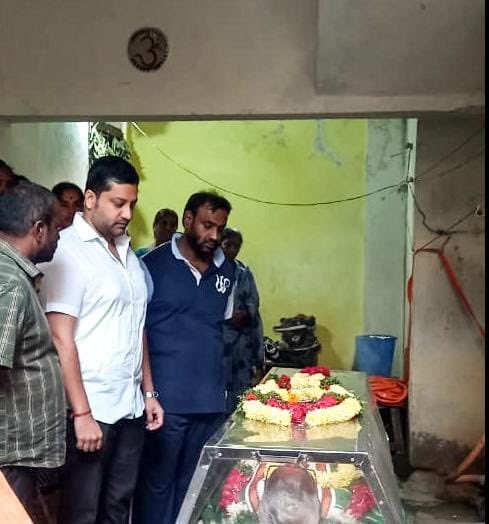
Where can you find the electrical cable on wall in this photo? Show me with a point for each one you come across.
(397, 186)
(269, 202)
(450, 229)
(423, 177)
(451, 152)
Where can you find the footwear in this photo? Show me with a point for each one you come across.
(299, 338)
(295, 323)
(313, 345)
(272, 349)
(298, 358)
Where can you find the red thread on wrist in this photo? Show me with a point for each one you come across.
(82, 414)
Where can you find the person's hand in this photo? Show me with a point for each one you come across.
(240, 319)
(88, 434)
(154, 414)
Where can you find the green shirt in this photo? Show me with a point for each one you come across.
(32, 400)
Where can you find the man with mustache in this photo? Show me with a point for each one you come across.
(95, 299)
(191, 297)
(32, 400)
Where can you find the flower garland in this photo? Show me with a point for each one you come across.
(311, 396)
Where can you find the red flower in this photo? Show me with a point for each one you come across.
(251, 396)
(298, 413)
(362, 501)
(325, 402)
(232, 488)
(311, 370)
(284, 382)
(275, 403)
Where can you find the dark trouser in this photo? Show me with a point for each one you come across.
(97, 487)
(24, 483)
(168, 463)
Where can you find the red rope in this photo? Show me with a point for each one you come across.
(457, 287)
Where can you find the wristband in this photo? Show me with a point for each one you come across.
(82, 414)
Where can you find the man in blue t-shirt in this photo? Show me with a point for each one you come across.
(191, 294)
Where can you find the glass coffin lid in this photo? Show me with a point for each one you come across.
(252, 472)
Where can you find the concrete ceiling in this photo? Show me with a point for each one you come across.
(235, 58)
(400, 47)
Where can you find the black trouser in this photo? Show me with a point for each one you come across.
(96, 487)
(24, 483)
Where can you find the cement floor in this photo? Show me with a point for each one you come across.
(428, 499)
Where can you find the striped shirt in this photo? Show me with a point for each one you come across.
(32, 400)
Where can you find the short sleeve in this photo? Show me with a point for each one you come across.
(147, 279)
(12, 311)
(63, 284)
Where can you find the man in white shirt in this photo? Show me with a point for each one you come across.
(95, 299)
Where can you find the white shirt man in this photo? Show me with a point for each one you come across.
(108, 298)
(95, 299)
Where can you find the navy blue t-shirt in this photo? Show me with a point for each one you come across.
(184, 329)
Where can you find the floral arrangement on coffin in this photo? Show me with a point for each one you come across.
(310, 396)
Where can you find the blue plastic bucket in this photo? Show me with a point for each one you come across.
(374, 354)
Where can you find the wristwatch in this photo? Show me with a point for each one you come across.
(151, 394)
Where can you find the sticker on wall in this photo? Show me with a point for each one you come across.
(147, 49)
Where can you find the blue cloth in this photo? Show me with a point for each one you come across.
(243, 348)
(184, 329)
(167, 466)
(184, 324)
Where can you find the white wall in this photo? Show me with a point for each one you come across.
(47, 153)
(446, 396)
(232, 57)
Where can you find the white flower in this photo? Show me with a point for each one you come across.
(267, 387)
(255, 410)
(235, 508)
(304, 380)
(340, 390)
(346, 410)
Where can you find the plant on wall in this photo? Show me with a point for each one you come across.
(105, 139)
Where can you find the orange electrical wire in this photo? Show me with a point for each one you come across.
(388, 391)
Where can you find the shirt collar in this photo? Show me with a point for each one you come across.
(23, 262)
(218, 258)
(86, 232)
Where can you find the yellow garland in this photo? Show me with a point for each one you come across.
(255, 410)
(346, 410)
(342, 477)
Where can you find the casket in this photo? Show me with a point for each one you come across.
(252, 472)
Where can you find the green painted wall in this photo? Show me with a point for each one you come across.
(305, 259)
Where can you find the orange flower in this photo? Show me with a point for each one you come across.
(293, 398)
